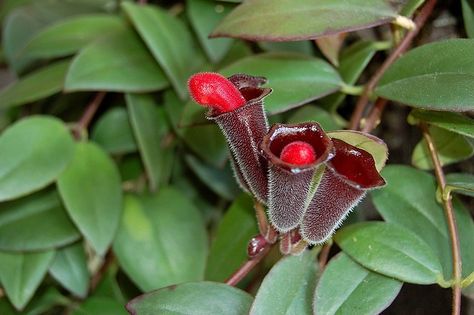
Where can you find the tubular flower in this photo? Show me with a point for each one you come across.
(236, 105)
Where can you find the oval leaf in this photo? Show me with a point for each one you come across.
(35, 151)
(462, 183)
(69, 268)
(161, 240)
(454, 122)
(376, 147)
(71, 34)
(113, 132)
(286, 288)
(178, 58)
(314, 113)
(193, 299)
(91, 190)
(435, 76)
(286, 20)
(100, 66)
(391, 250)
(35, 86)
(346, 287)
(295, 79)
(21, 274)
(35, 222)
(229, 248)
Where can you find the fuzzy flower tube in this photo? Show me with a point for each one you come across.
(236, 105)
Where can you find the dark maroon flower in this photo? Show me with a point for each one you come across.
(290, 184)
(243, 123)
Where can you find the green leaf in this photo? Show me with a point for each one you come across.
(204, 16)
(376, 147)
(301, 47)
(436, 76)
(35, 222)
(346, 287)
(35, 151)
(295, 79)
(454, 122)
(100, 305)
(410, 7)
(71, 34)
(463, 183)
(391, 250)
(21, 274)
(113, 132)
(451, 148)
(35, 86)
(193, 298)
(286, 20)
(313, 113)
(101, 66)
(288, 287)
(172, 46)
(229, 248)
(91, 190)
(149, 126)
(409, 200)
(69, 268)
(468, 15)
(220, 180)
(161, 240)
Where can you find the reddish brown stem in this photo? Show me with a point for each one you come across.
(96, 278)
(450, 219)
(374, 117)
(363, 100)
(324, 255)
(240, 273)
(90, 111)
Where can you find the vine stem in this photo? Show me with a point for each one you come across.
(450, 218)
(90, 111)
(240, 273)
(363, 100)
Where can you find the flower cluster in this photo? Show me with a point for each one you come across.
(308, 180)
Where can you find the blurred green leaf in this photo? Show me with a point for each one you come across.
(468, 14)
(346, 287)
(178, 58)
(295, 79)
(118, 62)
(194, 298)
(71, 34)
(391, 250)
(373, 145)
(149, 126)
(286, 20)
(35, 222)
(410, 7)
(220, 180)
(302, 47)
(35, 86)
(229, 248)
(409, 199)
(35, 150)
(21, 274)
(451, 148)
(100, 305)
(435, 76)
(462, 182)
(69, 268)
(454, 122)
(313, 113)
(161, 240)
(204, 16)
(288, 287)
(43, 301)
(113, 132)
(91, 190)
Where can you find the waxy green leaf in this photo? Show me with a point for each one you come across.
(194, 298)
(161, 240)
(436, 76)
(286, 20)
(391, 250)
(91, 190)
(454, 122)
(295, 79)
(463, 183)
(345, 287)
(313, 113)
(35, 150)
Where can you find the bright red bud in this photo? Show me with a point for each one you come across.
(216, 91)
(298, 153)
